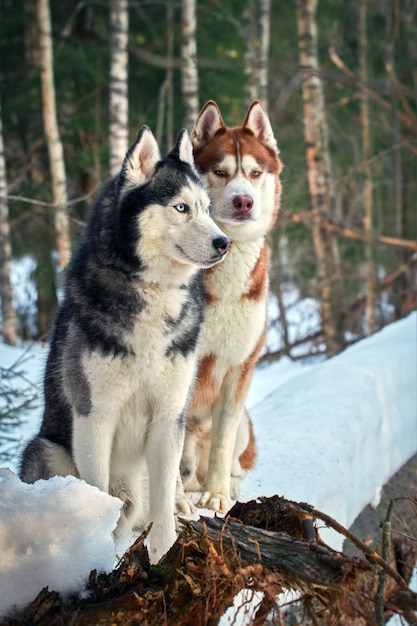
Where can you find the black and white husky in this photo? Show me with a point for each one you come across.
(123, 350)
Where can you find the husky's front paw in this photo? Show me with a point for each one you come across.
(160, 541)
(216, 501)
(184, 505)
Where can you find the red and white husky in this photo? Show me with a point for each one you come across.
(241, 167)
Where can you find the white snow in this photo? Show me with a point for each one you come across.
(335, 433)
(330, 434)
(24, 293)
(54, 533)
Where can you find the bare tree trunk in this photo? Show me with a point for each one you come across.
(55, 149)
(6, 295)
(250, 58)
(119, 66)
(392, 33)
(166, 92)
(189, 70)
(397, 168)
(162, 101)
(170, 77)
(256, 32)
(34, 164)
(276, 289)
(264, 36)
(319, 176)
(367, 191)
(402, 285)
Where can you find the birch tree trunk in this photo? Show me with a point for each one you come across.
(264, 37)
(367, 189)
(401, 286)
(276, 282)
(166, 92)
(250, 57)
(189, 70)
(6, 295)
(55, 149)
(256, 20)
(119, 69)
(170, 138)
(319, 176)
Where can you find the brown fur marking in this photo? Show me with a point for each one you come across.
(259, 277)
(206, 388)
(209, 155)
(248, 457)
(246, 369)
(208, 287)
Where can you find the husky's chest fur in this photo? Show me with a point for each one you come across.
(233, 324)
(154, 375)
(131, 334)
(167, 326)
(160, 339)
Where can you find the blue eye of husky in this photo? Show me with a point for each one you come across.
(181, 207)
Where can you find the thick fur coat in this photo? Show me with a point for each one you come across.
(241, 167)
(123, 351)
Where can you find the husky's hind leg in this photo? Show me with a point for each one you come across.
(183, 504)
(244, 454)
(43, 459)
(132, 488)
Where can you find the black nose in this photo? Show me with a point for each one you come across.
(222, 244)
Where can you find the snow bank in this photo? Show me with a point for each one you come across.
(52, 533)
(336, 432)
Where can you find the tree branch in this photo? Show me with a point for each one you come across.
(309, 218)
(411, 122)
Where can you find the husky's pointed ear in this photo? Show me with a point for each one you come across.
(258, 122)
(183, 148)
(141, 158)
(208, 123)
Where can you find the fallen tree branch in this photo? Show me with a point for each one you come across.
(215, 558)
(370, 554)
(317, 566)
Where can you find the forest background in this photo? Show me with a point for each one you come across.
(338, 80)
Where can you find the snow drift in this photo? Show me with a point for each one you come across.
(335, 433)
(52, 533)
